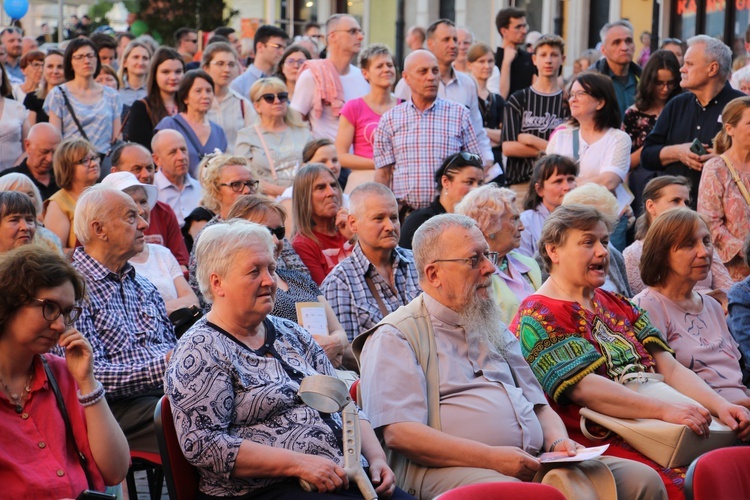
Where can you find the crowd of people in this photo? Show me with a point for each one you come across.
(486, 246)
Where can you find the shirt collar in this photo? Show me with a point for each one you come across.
(126, 85)
(718, 97)
(444, 314)
(256, 71)
(95, 270)
(364, 267)
(429, 108)
(517, 264)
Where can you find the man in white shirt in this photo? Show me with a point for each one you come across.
(270, 43)
(176, 188)
(344, 43)
(442, 41)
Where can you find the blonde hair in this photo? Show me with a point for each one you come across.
(302, 198)
(273, 84)
(67, 155)
(122, 73)
(731, 115)
(209, 173)
(597, 196)
(486, 204)
(15, 181)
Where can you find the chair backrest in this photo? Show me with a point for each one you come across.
(718, 474)
(354, 393)
(527, 491)
(181, 476)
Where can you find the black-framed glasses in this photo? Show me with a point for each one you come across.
(473, 261)
(279, 232)
(471, 158)
(51, 310)
(271, 98)
(239, 186)
(79, 57)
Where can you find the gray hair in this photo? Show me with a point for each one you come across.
(467, 30)
(486, 204)
(359, 196)
(597, 196)
(218, 246)
(334, 20)
(15, 181)
(426, 242)
(605, 29)
(95, 204)
(716, 51)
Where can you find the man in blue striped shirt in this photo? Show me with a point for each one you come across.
(123, 317)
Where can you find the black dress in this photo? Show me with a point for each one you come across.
(139, 128)
(416, 219)
(33, 103)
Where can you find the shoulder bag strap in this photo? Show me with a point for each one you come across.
(189, 137)
(376, 295)
(737, 180)
(73, 114)
(68, 427)
(122, 126)
(576, 144)
(268, 153)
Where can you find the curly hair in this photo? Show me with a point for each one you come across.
(209, 173)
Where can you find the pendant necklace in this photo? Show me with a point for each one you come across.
(18, 398)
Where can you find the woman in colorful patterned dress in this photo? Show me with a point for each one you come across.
(579, 338)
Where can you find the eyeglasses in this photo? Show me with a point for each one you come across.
(670, 84)
(275, 45)
(224, 64)
(192, 40)
(279, 232)
(352, 31)
(474, 260)
(37, 65)
(239, 186)
(87, 160)
(471, 158)
(577, 95)
(271, 98)
(294, 62)
(79, 57)
(51, 310)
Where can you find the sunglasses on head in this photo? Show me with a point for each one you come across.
(270, 98)
(470, 158)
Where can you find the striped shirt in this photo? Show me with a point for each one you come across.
(346, 289)
(125, 320)
(530, 112)
(416, 143)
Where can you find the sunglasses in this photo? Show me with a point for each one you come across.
(271, 98)
(279, 232)
(471, 158)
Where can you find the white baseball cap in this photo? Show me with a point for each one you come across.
(123, 180)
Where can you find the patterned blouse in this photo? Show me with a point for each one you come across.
(301, 289)
(721, 201)
(637, 125)
(222, 392)
(563, 342)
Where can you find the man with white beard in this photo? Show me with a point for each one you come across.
(444, 383)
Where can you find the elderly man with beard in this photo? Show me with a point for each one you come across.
(445, 384)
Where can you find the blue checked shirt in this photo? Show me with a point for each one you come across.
(417, 142)
(125, 320)
(346, 290)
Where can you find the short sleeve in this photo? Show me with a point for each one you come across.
(351, 110)
(304, 93)
(617, 157)
(54, 102)
(383, 152)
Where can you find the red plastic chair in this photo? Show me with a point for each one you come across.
(354, 392)
(719, 474)
(181, 476)
(527, 491)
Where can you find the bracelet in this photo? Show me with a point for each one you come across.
(93, 397)
(555, 443)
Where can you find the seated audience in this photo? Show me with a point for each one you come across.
(274, 144)
(108, 77)
(21, 184)
(40, 144)
(14, 125)
(76, 167)
(677, 254)
(155, 262)
(552, 178)
(476, 413)
(378, 277)
(40, 292)
(739, 316)
(578, 338)
(316, 204)
(459, 174)
(53, 76)
(723, 195)
(32, 64)
(496, 213)
(123, 315)
(194, 99)
(292, 285)
(163, 228)
(17, 220)
(604, 201)
(661, 194)
(318, 151)
(262, 434)
(177, 188)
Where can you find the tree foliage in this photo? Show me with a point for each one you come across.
(166, 16)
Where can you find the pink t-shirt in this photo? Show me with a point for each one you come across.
(365, 122)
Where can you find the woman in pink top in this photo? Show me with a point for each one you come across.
(677, 254)
(359, 117)
(316, 201)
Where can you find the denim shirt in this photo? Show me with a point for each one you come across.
(739, 322)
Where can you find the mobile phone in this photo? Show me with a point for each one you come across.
(697, 148)
(95, 495)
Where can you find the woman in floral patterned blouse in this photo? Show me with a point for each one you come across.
(578, 339)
